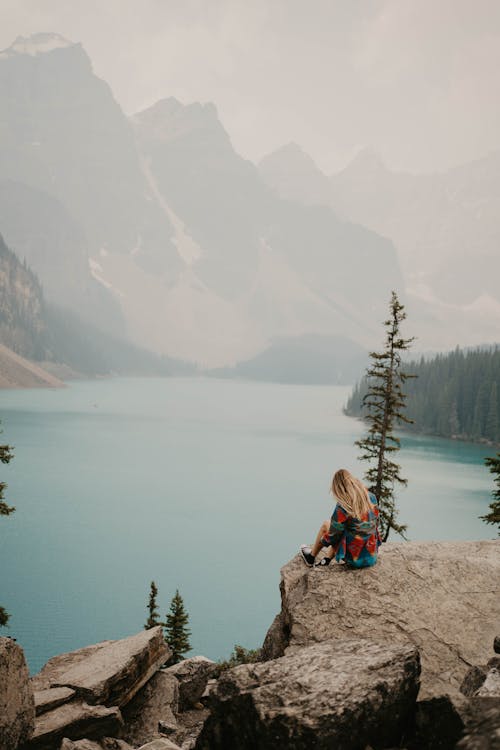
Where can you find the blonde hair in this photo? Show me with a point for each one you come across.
(351, 493)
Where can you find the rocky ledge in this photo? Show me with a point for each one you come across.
(342, 667)
(443, 597)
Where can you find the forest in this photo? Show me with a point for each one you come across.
(455, 395)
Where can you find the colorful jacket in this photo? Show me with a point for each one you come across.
(354, 540)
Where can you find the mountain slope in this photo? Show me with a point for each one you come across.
(63, 133)
(285, 269)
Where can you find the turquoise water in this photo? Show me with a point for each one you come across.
(203, 485)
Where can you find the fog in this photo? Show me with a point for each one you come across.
(414, 79)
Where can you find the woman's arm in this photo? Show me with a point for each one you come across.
(337, 527)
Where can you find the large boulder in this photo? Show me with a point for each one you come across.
(444, 597)
(193, 675)
(46, 700)
(17, 706)
(157, 701)
(344, 694)
(109, 673)
(75, 720)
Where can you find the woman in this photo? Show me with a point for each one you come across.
(352, 533)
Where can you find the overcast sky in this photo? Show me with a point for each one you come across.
(417, 80)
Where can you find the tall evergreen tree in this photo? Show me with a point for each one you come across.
(6, 456)
(493, 517)
(176, 629)
(384, 403)
(153, 618)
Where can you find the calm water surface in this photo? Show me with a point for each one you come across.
(203, 485)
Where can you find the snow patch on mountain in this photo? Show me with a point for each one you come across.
(97, 272)
(189, 251)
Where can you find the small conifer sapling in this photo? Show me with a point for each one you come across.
(384, 404)
(153, 613)
(493, 517)
(176, 629)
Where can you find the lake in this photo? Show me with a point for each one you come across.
(208, 486)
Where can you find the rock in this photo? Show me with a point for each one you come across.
(45, 700)
(68, 744)
(437, 725)
(341, 694)
(156, 701)
(74, 721)
(17, 706)
(160, 744)
(107, 743)
(491, 686)
(189, 726)
(210, 688)
(442, 596)
(193, 675)
(483, 728)
(276, 640)
(496, 644)
(474, 678)
(57, 666)
(167, 727)
(110, 673)
(493, 663)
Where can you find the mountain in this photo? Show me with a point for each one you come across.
(308, 359)
(22, 324)
(55, 248)
(294, 176)
(257, 266)
(33, 330)
(445, 226)
(64, 135)
(156, 229)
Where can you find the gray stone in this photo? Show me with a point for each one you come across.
(438, 724)
(442, 596)
(473, 679)
(75, 720)
(193, 675)
(54, 670)
(210, 688)
(491, 686)
(167, 727)
(189, 726)
(110, 673)
(496, 644)
(46, 700)
(493, 663)
(156, 701)
(483, 728)
(344, 694)
(17, 706)
(106, 743)
(161, 743)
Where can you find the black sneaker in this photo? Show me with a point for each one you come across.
(323, 562)
(307, 555)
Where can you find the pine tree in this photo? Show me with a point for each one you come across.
(492, 417)
(384, 403)
(153, 619)
(176, 630)
(493, 517)
(6, 456)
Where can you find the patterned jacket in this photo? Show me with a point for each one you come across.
(354, 540)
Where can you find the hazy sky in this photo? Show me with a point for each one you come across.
(417, 80)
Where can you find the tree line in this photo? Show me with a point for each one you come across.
(454, 395)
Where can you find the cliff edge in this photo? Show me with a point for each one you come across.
(443, 597)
